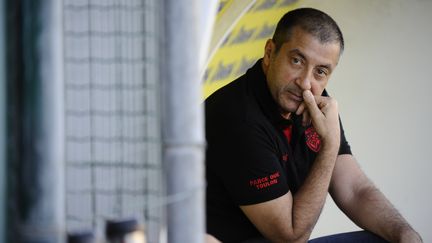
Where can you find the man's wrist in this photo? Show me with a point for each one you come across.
(330, 146)
(409, 235)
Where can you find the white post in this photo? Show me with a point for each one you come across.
(183, 125)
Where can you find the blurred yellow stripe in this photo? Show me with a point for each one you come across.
(244, 43)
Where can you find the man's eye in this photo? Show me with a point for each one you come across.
(296, 60)
(321, 72)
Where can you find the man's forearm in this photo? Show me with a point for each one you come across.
(375, 213)
(310, 198)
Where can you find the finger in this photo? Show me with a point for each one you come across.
(311, 105)
(300, 109)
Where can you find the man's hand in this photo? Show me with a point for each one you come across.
(323, 112)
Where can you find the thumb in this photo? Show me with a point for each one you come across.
(311, 104)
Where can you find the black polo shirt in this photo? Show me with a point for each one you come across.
(253, 154)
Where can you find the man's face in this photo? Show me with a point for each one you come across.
(302, 63)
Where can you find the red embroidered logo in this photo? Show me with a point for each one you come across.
(285, 157)
(312, 139)
(265, 181)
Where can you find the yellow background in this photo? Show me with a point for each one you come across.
(245, 44)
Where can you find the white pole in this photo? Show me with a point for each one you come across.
(182, 118)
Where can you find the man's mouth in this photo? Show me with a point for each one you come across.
(296, 97)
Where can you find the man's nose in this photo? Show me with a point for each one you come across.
(304, 80)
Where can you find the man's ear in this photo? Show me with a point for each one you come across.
(268, 49)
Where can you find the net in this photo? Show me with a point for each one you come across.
(113, 143)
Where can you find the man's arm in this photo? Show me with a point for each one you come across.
(291, 219)
(365, 205)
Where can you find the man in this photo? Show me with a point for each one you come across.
(276, 146)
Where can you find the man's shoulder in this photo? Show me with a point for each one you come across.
(230, 100)
(235, 103)
(230, 92)
(236, 94)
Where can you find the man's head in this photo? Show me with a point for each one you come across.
(304, 51)
(312, 21)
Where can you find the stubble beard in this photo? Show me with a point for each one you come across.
(287, 106)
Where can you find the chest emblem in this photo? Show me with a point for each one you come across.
(312, 139)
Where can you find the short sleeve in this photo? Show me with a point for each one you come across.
(344, 148)
(249, 167)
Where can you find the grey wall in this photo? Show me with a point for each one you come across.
(383, 85)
